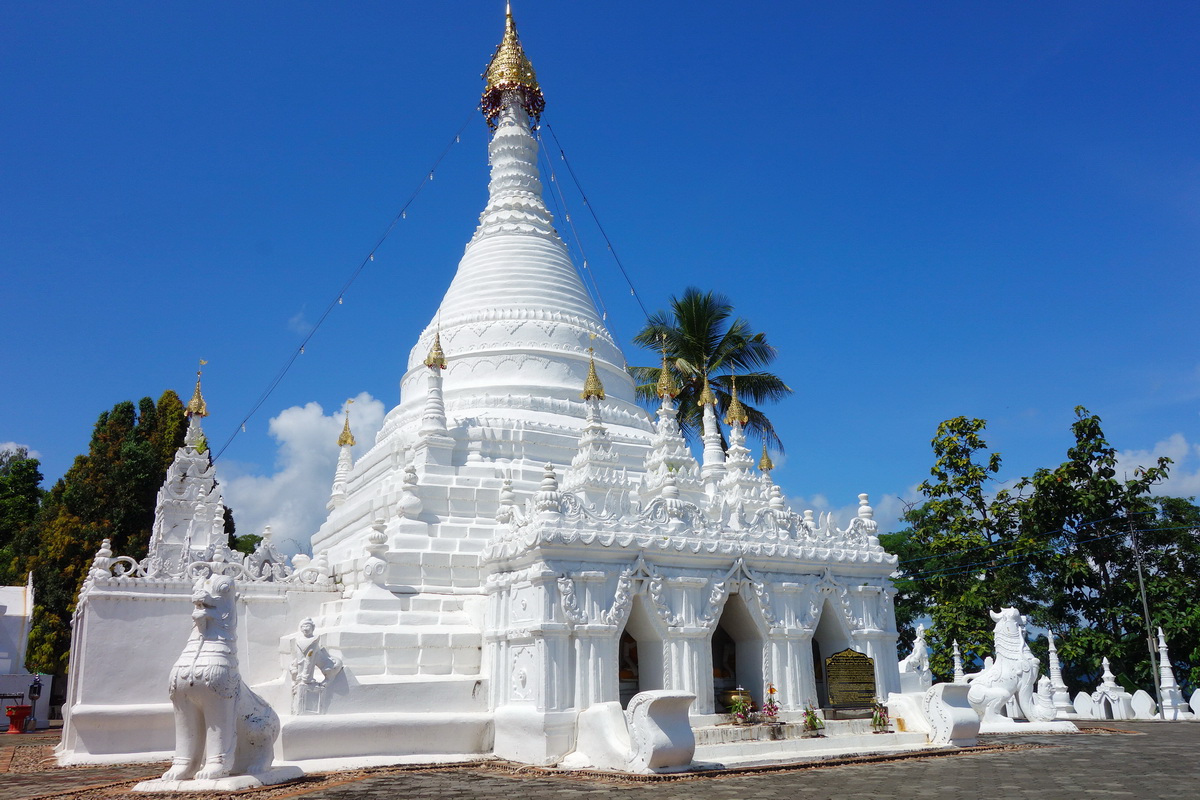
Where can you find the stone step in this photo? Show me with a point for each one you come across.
(788, 729)
(754, 752)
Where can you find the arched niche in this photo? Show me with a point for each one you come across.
(639, 653)
(830, 636)
(1106, 709)
(737, 650)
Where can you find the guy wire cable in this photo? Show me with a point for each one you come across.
(349, 281)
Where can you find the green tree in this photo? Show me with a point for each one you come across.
(702, 340)
(109, 493)
(1086, 573)
(957, 555)
(20, 496)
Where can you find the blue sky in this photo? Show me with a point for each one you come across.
(932, 209)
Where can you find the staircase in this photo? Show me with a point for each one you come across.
(729, 745)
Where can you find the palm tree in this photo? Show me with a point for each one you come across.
(702, 339)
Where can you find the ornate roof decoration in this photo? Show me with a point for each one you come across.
(592, 387)
(765, 464)
(436, 357)
(737, 412)
(666, 381)
(196, 407)
(707, 398)
(347, 438)
(509, 71)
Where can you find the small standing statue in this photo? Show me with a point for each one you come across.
(915, 675)
(308, 656)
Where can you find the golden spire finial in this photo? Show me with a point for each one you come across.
(667, 387)
(737, 412)
(592, 387)
(510, 71)
(765, 464)
(436, 357)
(707, 398)
(196, 407)
(347, 438)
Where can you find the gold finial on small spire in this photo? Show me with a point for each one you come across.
(737, 412)
(707, 398)
(510, 71)
(667, 387)
(196, 407)
(765, 464)
(592, 387)
(436, 357)
(347, 438)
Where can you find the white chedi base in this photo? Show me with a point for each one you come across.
(233, 783)
(1000, 724)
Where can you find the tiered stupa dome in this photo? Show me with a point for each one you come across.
(516, 323)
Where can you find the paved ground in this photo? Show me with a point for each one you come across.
(1150, 761)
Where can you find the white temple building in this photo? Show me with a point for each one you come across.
(522, 542)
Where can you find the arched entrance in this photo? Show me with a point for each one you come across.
(737, 651)
(639, 655)
(830, 636)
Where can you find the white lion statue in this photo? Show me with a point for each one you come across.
(1012, 675)
(221, 727)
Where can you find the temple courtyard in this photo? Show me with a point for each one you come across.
(1124, 759)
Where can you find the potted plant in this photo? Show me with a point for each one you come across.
(812, 721)
(880, 722)
(740, 707)
(770, 707)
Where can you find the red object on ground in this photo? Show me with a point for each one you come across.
(16, 717)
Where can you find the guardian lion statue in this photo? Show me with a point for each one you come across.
(221, 727)
(1013, 675)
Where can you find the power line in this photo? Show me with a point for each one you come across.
(562, 155)
(1001, 542)
(1025, 557)
(558, 198)
(337, 299)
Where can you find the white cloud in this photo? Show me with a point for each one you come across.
(1184, 479)
(298, 324)
(13, 446)
(292, 500)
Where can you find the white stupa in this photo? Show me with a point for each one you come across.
(522, 543)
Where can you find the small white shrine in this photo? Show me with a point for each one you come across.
(522, 543)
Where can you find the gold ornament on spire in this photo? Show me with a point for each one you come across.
(737, 412)
(509, 72)
(667, 387)
(765, 464)
(436, 358)
(347, 438)
(707, 398)
(196, 407)
(592, 387)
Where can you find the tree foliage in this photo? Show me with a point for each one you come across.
(955, 553)
(20, 496)
(1086, 574)
(107, 494)
(1060, 546)
(703, 339)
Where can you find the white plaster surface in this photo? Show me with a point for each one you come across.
(907, 709)
(1143, 705)
(482, 559)
(1084, 706)
(234, 783)
(951, 719)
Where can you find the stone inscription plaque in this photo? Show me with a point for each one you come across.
(850, 680)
